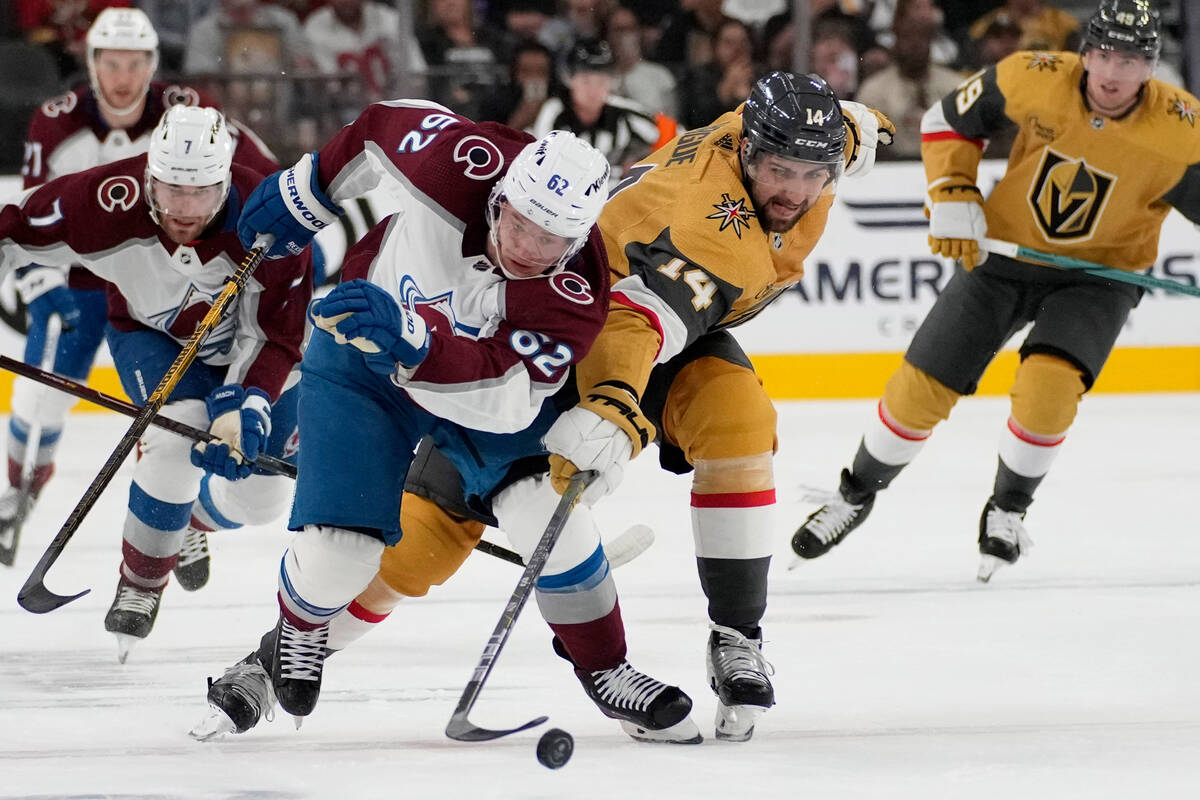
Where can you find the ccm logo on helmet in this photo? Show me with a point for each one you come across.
(299, 207)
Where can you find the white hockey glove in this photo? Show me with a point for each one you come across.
(601, 433)
(866, 129)
(957, 224)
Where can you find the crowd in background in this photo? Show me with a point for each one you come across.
(296, 70)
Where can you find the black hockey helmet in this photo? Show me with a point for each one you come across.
(795, 117)
(590, 55)
(1130, 26)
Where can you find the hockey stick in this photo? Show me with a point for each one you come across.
(459, 727)
(33, 439)
(34, 596)
(264, 460)
(68, 386)
(1012, 250)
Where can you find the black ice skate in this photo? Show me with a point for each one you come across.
(296, 666)
(648, 710)
(1002, 539)
(740, 677)
(832, 522)
(191, 569)
(131, 616)
(238, 699)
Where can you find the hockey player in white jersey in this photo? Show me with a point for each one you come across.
(108, 119)
(160, 228)
(458, 319)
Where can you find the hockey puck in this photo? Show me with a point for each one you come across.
(555, 747)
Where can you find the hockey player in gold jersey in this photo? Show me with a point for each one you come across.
(1102, 153)
(701, 236)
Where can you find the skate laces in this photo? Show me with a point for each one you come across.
(625, 687)
(735, 656)
(195, 547)
(136, 599)
(833, 518)
(301, 653)
(10, 503)
(1008, 527)
(253, 684)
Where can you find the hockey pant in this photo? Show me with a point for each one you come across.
(166, 491)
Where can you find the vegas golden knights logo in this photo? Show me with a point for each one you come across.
(1068, 197)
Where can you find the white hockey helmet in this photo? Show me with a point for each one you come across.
(191, 147)
(560, 183)
(120, 29)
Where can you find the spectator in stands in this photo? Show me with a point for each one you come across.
(650, 85)
(521, 20)
(709, 90)
(463, 57)
(619, 128)
(60, 27)
(173, 19)
(578, 21)
(688, 33)
(904, 90)
(942, 50)
(1043, 27)
(834, 59)
(1002, 37)
(246, 36)
(371, 39)
(531, 80)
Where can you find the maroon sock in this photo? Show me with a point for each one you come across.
(595, 645)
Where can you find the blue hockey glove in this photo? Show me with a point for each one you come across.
(241, 421)
(290, 206)
(361, 314)
(44, 291)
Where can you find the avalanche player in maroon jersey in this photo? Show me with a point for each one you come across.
(457, 318)
(107, 120)
(161, 229)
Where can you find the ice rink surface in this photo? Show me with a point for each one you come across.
(1073, 674)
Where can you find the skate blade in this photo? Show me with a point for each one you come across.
(736, 723)
(298, 720)
(125, 644)
(683, 732)
(214, 726)
(988, 566)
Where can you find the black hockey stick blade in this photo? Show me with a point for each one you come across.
(34, 596)
(459, 727)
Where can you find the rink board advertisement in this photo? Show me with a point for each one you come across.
(866, 287)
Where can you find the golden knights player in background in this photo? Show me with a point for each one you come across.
(701, 236)
(1102, 153)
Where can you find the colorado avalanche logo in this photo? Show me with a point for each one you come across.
(176, 95)
(292, 446)
(731, 212)
(118, 192)
(572, 287)
(1043, 61)
(63, 104)
(181, 320)
(1183, 109)
(411, 297)
(482, 158)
